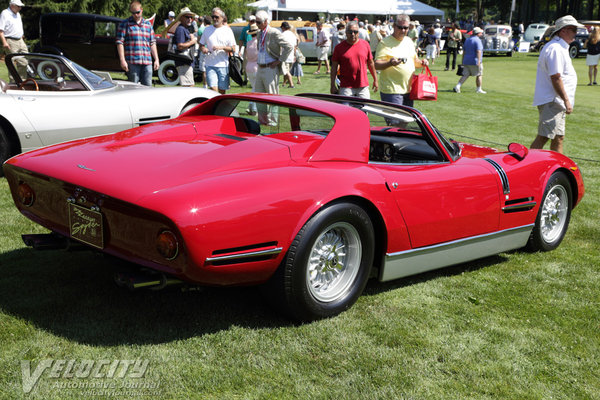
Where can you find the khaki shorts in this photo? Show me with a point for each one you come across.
(285, 68)
(473, 70)
(552, 120)
(322, 53)
(186, 75)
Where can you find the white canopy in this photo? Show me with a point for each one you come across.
(376, 7)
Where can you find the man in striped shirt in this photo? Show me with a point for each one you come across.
(136, 46)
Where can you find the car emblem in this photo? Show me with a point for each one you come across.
(84, 167)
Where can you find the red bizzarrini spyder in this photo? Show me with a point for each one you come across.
(308, 195)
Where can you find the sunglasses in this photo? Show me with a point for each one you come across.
(216, 17)
(352, 32)
(136, 12)
(401, 27)
(189, 16)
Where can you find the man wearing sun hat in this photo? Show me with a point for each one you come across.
(555, 85)
(11, 32)
(185, 42)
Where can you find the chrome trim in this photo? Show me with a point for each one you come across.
(529, 205)
(502, 174)
(415, 261)
(245, 255)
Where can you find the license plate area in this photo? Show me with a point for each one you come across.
(86, 225)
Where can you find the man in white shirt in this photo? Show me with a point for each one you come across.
(11, 33)
(555, 85)
(217, 42)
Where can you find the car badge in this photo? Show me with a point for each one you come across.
(84, 167)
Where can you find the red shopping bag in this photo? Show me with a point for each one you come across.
(424, 86)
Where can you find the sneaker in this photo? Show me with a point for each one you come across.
(456, 89)
(481, 91)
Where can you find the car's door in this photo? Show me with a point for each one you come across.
(62, 116)
(441, 202)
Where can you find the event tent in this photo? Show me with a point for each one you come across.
(413, 8)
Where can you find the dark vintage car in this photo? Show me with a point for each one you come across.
(89, 40)
(576, 48)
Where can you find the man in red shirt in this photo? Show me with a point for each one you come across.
(353, 56)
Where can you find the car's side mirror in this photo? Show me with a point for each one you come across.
(518, 150)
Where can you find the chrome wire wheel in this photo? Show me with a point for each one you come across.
(554, 214)
(334, 262)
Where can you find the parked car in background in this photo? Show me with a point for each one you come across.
(60, 100)
(534, 32)
(311, 201)
(497, 39)
(89, 40)
(576, 47)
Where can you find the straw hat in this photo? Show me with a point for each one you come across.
(565, 21)
(185, 11)
(253, 29)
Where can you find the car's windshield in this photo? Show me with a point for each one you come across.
(267, 118)
(52, 74)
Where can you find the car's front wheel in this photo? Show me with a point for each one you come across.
(327, 265)
(554, 214)
(573, 51)
(167, 73)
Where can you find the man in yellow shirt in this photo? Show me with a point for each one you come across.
(397, 59)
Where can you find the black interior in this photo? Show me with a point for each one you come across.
(402, 148)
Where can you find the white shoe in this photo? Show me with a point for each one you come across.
(481, 91)
(456, 89)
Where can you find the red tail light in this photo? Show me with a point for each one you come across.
(167, 245)
(25, 194)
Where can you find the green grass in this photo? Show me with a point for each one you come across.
(514, 326)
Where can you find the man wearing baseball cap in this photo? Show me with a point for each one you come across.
(11, 32)
(555, 85)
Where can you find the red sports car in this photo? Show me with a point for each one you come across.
(309, 196)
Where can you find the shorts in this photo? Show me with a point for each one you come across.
(322, 53)
(362, 92)
(217, 77)
(473, 70)
(431, 50)
(591, 60)
(285, 68)
(552, 120)
(186, 75)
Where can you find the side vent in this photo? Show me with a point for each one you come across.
(502, 174)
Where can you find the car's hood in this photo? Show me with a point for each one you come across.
(145, 160)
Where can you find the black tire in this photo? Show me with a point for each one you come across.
(553, 217)
(573, 51)
(509, 54)
(191, 104)
(334, 279)
(167, 73)
(6, 149)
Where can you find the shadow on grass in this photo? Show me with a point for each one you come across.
(72, 294)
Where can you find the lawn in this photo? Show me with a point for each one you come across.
(514, 326)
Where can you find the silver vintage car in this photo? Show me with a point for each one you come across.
(498, 39)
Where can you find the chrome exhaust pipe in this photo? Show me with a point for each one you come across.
(141, 280)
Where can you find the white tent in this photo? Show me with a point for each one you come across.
(374, 7)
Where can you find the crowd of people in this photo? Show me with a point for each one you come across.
(390, 51)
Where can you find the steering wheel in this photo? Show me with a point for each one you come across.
(22, 84)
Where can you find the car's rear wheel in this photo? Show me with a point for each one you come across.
(167, 73)
(327, 265)
(6, 149)
(554, 214)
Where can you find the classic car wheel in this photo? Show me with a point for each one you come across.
(573, 51)
(48, 70)
(554, 214)
(328, 263)
(167, 73)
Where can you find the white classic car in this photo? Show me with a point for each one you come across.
(50, 99)
(498, 39)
